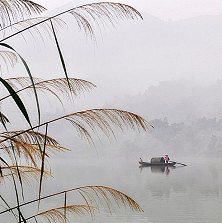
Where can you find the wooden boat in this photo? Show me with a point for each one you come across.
(156, 164)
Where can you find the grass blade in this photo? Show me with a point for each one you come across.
(21, 217)
(17, 100)
(65, 205)
(61, 56)
(16, 193)
(30, 76)
(3, 121)
(43, 161)
(8, 206)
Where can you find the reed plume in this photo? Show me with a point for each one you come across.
(57, 214)
(53, 86)
(41, 32)
(93, 120)
(29, 136)
(27, 173)
(105, 120)
(89, 15)
(100, 14)
(91, 195)
(9, 58)
(13, 10)
(25, 146)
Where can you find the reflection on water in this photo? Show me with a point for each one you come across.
(179, 195)
(158, 169)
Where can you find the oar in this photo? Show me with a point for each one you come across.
(179, 163)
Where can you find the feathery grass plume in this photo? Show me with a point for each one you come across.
(9, 58)
(25, 146)
(13, 10)
(18, 83)
(27, 173)
(30, 152)
(32, 21)
(57, 214)
(33, 149)
(22, 149)
(42, 32)
(77, 86)
(89, 15)
(28, 136)
(91, 195)
(103, 193)
(99, 14)
(94, 120)
(51, 149)
(104, 120)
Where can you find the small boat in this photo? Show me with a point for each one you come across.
(156, 164)
(157, 161)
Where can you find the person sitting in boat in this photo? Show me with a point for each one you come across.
(167, 158)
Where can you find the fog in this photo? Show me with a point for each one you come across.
(132, 56)
(167, 72)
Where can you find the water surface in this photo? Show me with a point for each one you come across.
(182, 194)
(179, 195)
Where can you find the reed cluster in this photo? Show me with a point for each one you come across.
(24, 153)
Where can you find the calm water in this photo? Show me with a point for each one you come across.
(181, 194)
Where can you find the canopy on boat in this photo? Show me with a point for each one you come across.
(157, 160)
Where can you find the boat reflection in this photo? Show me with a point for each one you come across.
(159, 169)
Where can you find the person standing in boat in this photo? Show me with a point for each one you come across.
(167, 158)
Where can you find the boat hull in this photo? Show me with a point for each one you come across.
(157, 164)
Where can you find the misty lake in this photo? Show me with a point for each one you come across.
(182, 194)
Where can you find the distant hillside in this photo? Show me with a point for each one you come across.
(179, 101)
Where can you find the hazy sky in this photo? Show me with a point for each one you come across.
(164, 9)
